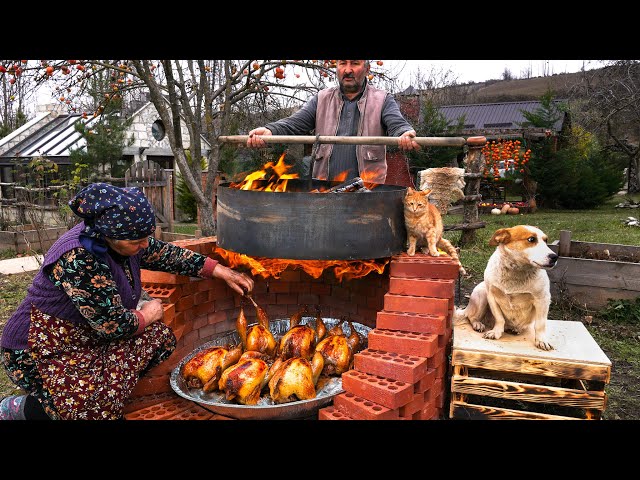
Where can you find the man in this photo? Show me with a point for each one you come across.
(354, 108)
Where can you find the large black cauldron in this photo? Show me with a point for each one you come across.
(300, 225)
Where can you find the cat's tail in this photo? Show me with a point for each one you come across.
(448, 247)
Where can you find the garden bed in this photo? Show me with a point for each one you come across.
(592, 273)
(27, 238)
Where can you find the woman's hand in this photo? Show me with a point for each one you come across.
(238, 282)
(152, 311)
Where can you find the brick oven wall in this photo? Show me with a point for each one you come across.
(414, 298)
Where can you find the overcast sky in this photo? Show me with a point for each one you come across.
(481, 70)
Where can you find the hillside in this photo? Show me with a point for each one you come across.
(493, 91)
(522, 89)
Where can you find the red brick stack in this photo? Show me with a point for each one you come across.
(402, 373)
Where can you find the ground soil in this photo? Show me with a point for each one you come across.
(619, 343)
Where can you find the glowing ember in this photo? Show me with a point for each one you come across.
(276, 174)
(273, 267)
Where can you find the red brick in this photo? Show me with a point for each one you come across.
(292, 276)
(195, 412)
(169, 313)
(427, 413)
(411, 322)
(413, 406)
(151, 384)
(438, 386)
(160, 411)
(277, 286)
(300, 287)
(287, 299)
(200, 321)
(200, 297)
(206, 331)
(224, 304)
(162, 278)
(422, 287)
(444, 340)
(143, 401)
(426, 382)
(441, 370)
(217, 317)
(437, 359)
(164, 294)
(398, 341)
(429, 267)
(360, 408)
(332, 413)
(406, 368)
(184, 304)
(204, 309)
(412, 304)
(385, 391)
(320, 289)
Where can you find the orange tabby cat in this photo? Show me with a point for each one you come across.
(424, 226)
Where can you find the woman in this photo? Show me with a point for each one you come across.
(78, 343)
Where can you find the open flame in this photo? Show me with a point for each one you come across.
(273, 267)
(276, 174)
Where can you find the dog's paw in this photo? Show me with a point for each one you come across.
(478, 326)
(513, 330)
(492, 334)
(542, 344)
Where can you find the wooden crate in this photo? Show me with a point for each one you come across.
(512, 379)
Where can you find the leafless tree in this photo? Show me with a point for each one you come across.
(203, 96)
(607, 102)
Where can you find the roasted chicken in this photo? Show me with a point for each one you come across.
(338, 350)
(257, 337)
(295, 378)
(244, 381)
(301, 340)
(205, 368)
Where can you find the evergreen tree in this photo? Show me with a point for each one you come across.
(435, 124)
(185, 200)
(546, 115)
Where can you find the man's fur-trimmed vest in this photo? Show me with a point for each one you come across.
(372, 163)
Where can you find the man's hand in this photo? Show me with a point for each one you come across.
(254, 141)
(406, 141)
(239, 282)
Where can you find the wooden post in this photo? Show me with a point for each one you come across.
(167, 198)
(564, 247)
(472, 187)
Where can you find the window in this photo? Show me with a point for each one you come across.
(157, 130)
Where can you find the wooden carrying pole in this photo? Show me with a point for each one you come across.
(346, 140)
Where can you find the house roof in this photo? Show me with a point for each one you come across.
(507, 115)
(54, 139)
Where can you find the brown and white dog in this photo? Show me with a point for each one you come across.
(516, 287)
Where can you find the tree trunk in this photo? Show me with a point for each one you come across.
(472, 187)
(207, 219)
(633, 179)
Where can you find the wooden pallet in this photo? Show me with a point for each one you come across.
(512, 379)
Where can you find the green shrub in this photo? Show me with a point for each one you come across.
(622, 311)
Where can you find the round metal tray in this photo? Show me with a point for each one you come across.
(265, 409)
